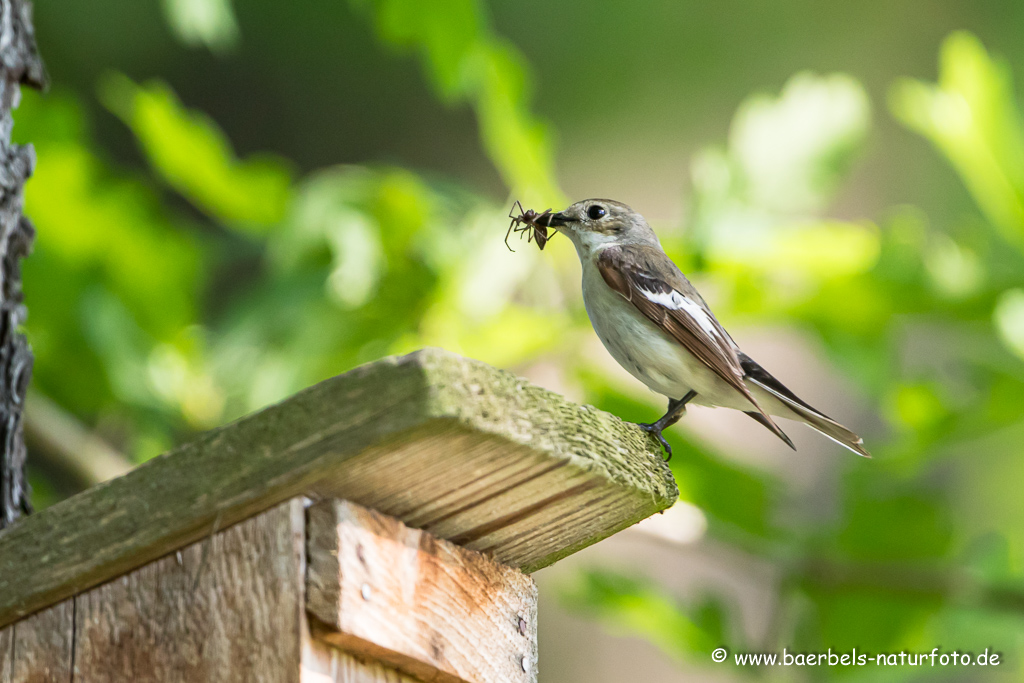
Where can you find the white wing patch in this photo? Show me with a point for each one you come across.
(675, 301)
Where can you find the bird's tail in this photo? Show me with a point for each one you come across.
(816, 419)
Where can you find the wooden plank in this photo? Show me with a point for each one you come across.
(6, 653)
(324, 663)
(425, 606)
(40, 648)
(226, 609)
(451, 445)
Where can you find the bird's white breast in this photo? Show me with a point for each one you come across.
(639, 346)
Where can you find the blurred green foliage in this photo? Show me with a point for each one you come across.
(121, 275)
(175, 296)
(971, 116)
(631, 605)
(466, 61)
(211, 23)
(192, 155)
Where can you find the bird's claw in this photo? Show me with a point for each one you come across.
(655, 429)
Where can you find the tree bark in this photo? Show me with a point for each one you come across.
(19, 63)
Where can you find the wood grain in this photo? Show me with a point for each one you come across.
(233, 608)
(382, 590)
(6, 653)
(451, 445)
(41, 647)
(230, 608)
(226, 609)
(324, 663)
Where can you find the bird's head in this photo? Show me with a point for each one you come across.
(594, 223)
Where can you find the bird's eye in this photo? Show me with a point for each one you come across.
(595, 212)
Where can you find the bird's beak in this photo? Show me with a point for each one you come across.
(557, 220)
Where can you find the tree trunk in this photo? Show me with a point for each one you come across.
(19, 63)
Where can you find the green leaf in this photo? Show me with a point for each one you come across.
(194, 157)
(793, 150)
(444, 32)
(203, 22)
(466, 62)
(971, 117)
(1009, 320)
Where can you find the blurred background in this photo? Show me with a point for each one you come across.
(235, 200)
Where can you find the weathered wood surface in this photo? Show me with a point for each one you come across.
(471, 453)
(233, 608)
(39, 648)
(225, 609)
(323, 663)
(425, 606)
(6, 653)
(230, 608)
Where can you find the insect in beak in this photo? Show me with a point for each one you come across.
(529, 221)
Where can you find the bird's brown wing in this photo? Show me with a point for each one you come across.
(648, 279)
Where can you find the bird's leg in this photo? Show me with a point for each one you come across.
(676, 410)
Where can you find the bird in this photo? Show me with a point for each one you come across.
(657, 326)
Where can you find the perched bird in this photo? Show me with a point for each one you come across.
(656, 325)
